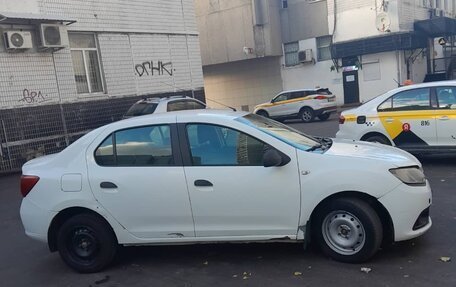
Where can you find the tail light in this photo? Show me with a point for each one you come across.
(341, 120)
(27, 183)
(320, 98)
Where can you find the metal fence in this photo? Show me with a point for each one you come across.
(29, 132)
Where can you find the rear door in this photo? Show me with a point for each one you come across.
(409, 118)
(446, 116)
(136, 174)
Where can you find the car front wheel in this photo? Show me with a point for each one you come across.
(348, 230)
(306, 115)
(86, 243)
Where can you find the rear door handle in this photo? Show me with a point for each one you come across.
(108, 185)
(202, 182)
(444, 118)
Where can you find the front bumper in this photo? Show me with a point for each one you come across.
(36, 221)
(406, 206)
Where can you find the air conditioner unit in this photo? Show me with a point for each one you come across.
(305, 56)
(18, 40)
(53, 36)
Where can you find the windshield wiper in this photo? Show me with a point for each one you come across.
(315, 147)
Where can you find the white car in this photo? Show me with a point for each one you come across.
(302, 104)
(152, 105)
(418, 118)
(220, 176)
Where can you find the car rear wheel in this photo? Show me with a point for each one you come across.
(306, 115)
(86, 243)
(348, 230)
(324, 117)
(378, 139)
(263, 113)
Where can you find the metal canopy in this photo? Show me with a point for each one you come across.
(28, 18)
(436, 27)
(373, 45)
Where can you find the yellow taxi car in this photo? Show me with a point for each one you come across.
(418, 118)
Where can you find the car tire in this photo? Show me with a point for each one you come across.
(86, 243)
(306, 115)
(348, 230)
(378, 139)
(263, 113)
(324, 117)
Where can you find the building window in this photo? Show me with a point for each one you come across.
(291, 51)
(284, 4)
(86, 63)
(324, 48)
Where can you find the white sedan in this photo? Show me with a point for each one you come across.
(220, 176)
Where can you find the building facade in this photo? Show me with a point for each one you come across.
(69, 66)
(356, 48)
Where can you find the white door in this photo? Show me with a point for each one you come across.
(232, 193)
(279, 105)
(140, 183)
(446, 116)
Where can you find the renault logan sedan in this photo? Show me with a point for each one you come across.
(220, 176)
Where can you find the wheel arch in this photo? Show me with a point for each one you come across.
(262, 111)
(63, 216)
(385, 217)
(371, 134)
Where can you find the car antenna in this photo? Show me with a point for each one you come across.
(233, 109)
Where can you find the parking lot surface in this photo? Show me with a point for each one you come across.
(24, 262)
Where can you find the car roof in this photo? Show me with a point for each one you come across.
(156, 100)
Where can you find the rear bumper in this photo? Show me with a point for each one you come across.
(406, 206)
(35, 220)
(327, 110)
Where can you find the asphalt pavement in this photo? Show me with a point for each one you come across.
(24, 262)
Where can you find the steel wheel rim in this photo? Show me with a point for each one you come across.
(83, 244)
(306, 116)
(343, 232)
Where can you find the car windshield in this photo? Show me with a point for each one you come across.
(140, 109)
(282, 132)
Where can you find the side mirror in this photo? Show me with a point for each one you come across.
(273, 157)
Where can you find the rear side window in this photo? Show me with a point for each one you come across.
(184, 105)
(298, 95)
(417, 99)
(194, 105)
(446, 97)
(143, 146)
(140, 109)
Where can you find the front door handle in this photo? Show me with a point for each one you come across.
(202, 182)
(389, 120)
(444, 118)
(108, 185)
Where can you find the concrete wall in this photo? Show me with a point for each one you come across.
(242, 83)
(227, 26)
(303, 20)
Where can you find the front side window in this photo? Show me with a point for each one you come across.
(446, 97)
(216, 145)
(86, 64)
(143, 146)
(281, 98)
(324, 48)
(291, 51)
(417, 99)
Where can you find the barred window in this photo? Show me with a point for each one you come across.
(291, 54)
(86, 63)
(324, 48)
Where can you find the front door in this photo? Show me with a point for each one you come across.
(409, 118)
(279, 105)
(232, 193)
(446, 116)
(351, 87)
(136, 176)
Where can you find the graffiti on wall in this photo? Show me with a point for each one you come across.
(32, 97)
(151, 68)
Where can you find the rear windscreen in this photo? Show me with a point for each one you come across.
(141, 109)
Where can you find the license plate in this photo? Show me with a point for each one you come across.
(331, 99)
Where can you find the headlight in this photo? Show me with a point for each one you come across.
(412, 175)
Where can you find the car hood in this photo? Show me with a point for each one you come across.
(263, 105)
(373, 151)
